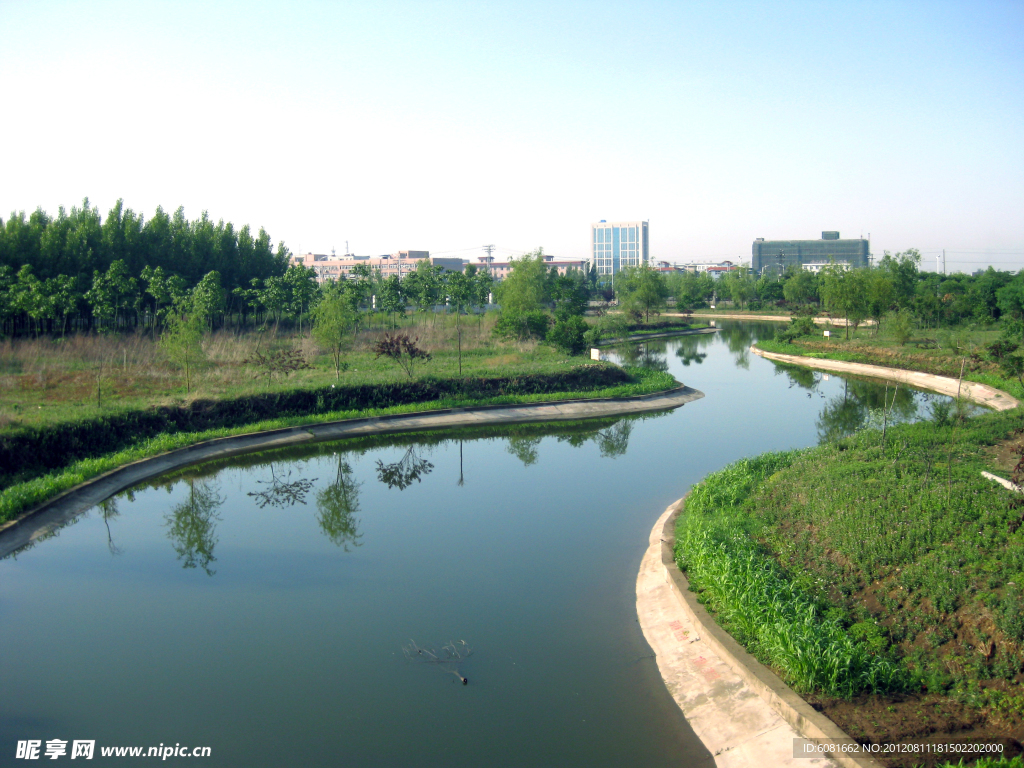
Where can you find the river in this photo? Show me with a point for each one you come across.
(267, 607)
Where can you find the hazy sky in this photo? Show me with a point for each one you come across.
(445, 126)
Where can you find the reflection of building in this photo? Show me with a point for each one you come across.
(779, 254)
(400, 264)
(500, 269)
(619, 244)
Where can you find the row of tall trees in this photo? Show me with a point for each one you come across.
(77, 269)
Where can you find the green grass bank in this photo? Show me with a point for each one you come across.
(882, 580)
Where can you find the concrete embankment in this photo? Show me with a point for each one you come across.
(836, 322)
(742, 712)
(665, 335)
(57, 511)
(982, 394)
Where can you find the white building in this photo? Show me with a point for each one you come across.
(619, 244)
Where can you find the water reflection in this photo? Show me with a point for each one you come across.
(411, 468)
(647, 354)
(282, 491)
(192, 525)
(689, 348)
(108, 509)
(337, 505)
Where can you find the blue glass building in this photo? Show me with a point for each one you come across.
(619, 244)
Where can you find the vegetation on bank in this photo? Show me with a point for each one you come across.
(874, 564)
(30, 489)
(944, 354)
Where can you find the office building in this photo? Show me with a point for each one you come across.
(619, 244)
(777, 255)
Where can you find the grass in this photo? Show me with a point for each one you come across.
(780, 623)
(47, 381)
(22, 496)
(856, 566)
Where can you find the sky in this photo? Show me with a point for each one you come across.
(445, 126)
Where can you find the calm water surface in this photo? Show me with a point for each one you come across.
(260, 607)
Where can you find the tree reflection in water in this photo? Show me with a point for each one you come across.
(524, 449)
(109, 510)
(191, 526)
(282, 492)
(337, 505)
(688, 348)
(649, 354)
(863, 405)
(403, 473)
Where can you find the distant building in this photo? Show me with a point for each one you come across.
(619, 244)
(779, 254)
(500, 269)
(712, 267)
(330, 267)
(817, 266)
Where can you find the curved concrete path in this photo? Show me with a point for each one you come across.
(982, 394)
(57, 511)
(742, 712)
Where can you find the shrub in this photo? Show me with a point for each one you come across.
(522, 325)
(569, 334)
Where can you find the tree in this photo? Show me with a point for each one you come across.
(460, 293)
(902, 268)
(112, 292)
(208, 297)
(641, 289)
(302, 285)
(403, 350)
(392, 298)
(568, 334)
(845, 291)
(524, 289)
(740, 285)
(182, 339)
(881, 293)
(1011, 301)
(334, 320)
(801, 288)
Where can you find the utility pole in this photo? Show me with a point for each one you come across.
(490, 250)
(943, 261)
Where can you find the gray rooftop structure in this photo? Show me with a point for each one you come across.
(779, 254)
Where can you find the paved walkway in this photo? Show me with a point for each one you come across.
(733, 721)
(56, 512)
(981, 394)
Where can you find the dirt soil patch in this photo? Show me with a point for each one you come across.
(924, 719)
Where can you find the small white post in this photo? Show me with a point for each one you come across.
(595, 353)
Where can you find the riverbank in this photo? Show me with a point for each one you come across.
(42, 463)
(957, 355)
(656, 335)
(981, 394)
(49, 515)
(739, 709)
(921, 574)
